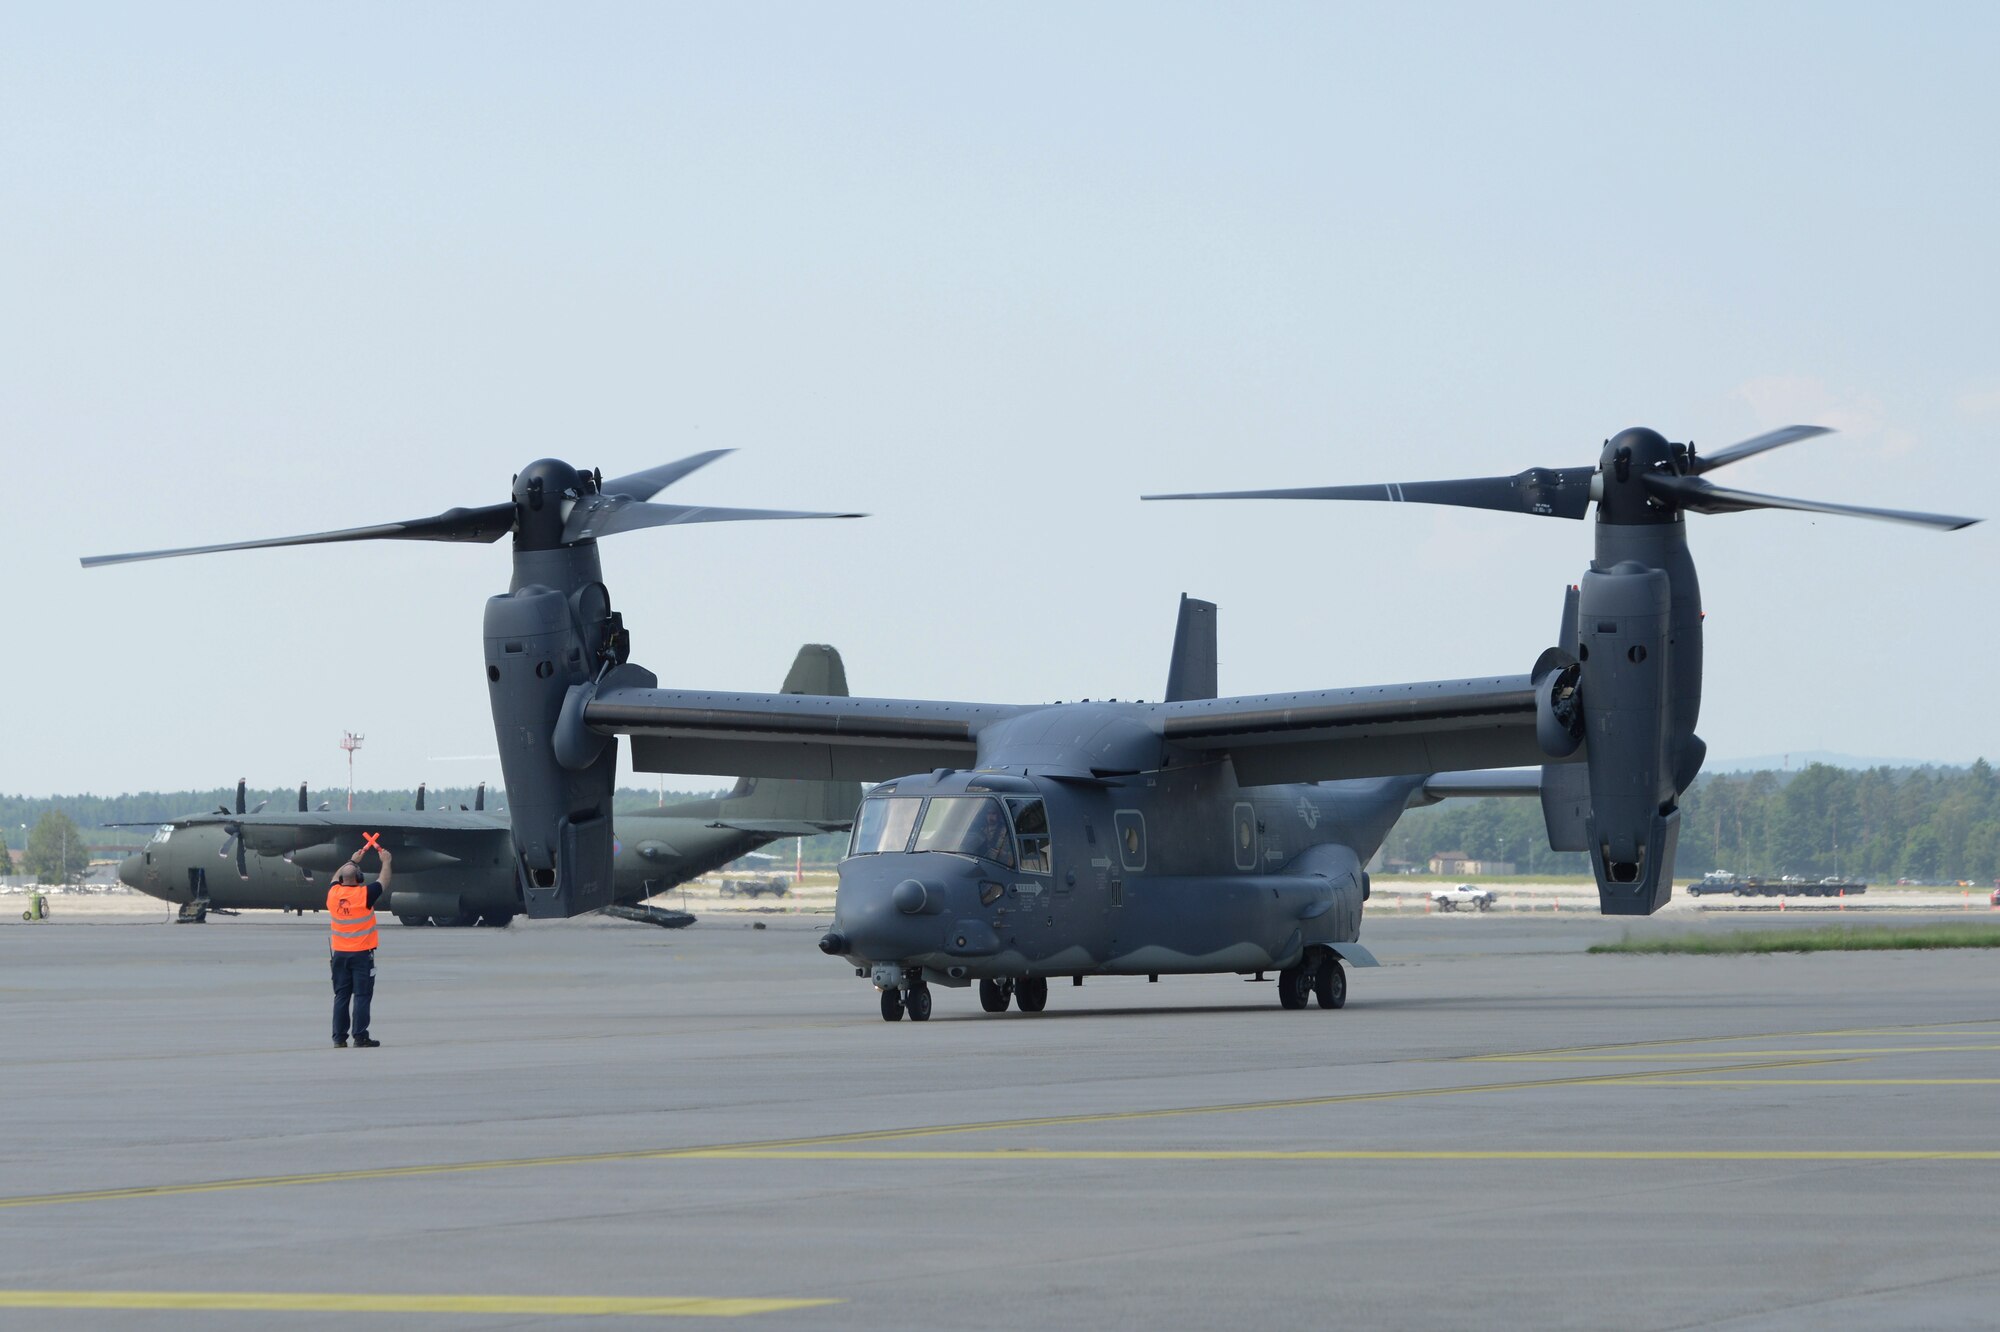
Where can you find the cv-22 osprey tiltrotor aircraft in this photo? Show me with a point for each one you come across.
(1008, 845)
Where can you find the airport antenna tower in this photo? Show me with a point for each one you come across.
(350, 742)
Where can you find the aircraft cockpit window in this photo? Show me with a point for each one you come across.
(166, 831)
(884, 825)
(969, 825)
(1031, 830)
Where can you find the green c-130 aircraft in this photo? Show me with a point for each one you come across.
(456, 867)
(1011, 844)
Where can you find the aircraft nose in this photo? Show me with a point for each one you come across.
(132, 871)
(895, 908)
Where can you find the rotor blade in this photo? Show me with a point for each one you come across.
(242, 784)
(1555, 492)
(487, 523)
(603, 515)
(302, 797)
(1705, 462)
(644, 485)
(260, 806)
(1691, 492)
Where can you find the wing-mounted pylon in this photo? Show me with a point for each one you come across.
(1624, 684)
(551, 642)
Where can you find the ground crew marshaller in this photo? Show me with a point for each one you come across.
(351, 905)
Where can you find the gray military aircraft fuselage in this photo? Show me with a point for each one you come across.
(456, 867)
(472, 884)
(1011, 877)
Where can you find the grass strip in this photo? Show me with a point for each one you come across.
(1814, 939)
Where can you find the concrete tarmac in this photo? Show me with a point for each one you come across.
(588, 1119)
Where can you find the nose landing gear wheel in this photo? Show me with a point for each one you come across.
(918, 1002)
(994, 994)
(1330, 984)
(1294, 987)
(1032, 993)
(892, 1005)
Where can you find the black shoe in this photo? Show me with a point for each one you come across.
(363, 1043)
(340, 1045)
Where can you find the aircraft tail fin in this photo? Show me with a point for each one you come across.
(1192, 673)
(817, 669)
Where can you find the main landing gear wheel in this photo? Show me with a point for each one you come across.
(892, 1005)
(414, 921)
(1294, 986)
(497, 922)
(918, 1002)
(994, 994)
(1032, 993)
(1330, 984)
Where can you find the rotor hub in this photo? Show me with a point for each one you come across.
(1628, 457)
(540, 490)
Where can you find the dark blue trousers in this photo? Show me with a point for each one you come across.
(353, 978)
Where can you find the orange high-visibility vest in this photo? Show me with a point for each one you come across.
(353, 922)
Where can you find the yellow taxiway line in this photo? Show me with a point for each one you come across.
(718, 1150)
(1656, 1051)
(1345, 1154)
(1830, 1052)
(1934, 1029)
(831, 1141)
(230, 1301)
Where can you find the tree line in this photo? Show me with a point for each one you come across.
(1875, 824)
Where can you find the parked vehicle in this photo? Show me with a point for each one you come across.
(1465, 894)
(777, 885)
(1790, 885)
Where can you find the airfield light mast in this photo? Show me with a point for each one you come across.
(350, 742)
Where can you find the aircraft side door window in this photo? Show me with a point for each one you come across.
(1131, 825)
(1244, 839)
(1031, 832)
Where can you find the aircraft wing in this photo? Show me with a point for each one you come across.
(334, 821)
(1430, 727)
(421, 839)
(783, 827)
(814, 736)
(1385, 730)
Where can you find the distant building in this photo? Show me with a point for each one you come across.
(1456, 863)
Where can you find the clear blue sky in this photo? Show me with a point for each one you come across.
(989, 273)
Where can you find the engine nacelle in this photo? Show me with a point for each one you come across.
(544, 649)
(1625, 649)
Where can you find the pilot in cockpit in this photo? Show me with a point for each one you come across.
(991, 838)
